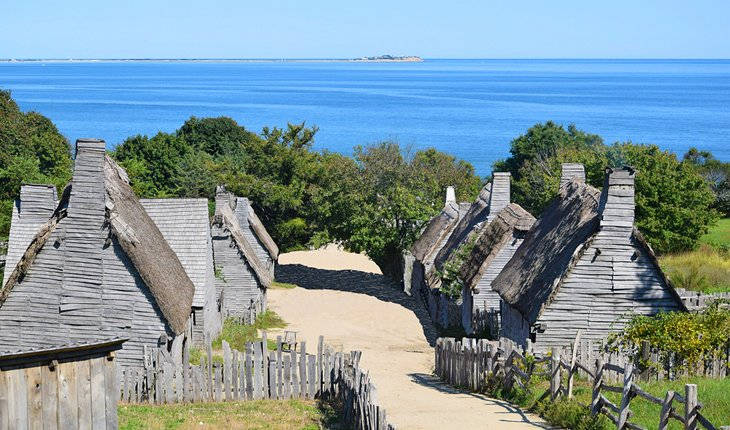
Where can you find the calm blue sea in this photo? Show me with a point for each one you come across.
(470, 108)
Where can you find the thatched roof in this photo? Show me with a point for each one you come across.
(477, 213)
(531, 276)
(244, 205)
(185, 226)
(225, 218)
(491, 239)
(436, 230)
(144, 244)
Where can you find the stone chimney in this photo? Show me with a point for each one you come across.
(572, 171)
(617, 200)
(37, 201)
(450, 196)
(500, 195)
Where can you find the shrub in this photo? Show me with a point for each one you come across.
(691, 336)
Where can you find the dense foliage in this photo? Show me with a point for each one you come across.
(31, 150)
(691, 336)
(674, 203)
(717, 174)
(374, 202)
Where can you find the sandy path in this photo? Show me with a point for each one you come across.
(359, 310)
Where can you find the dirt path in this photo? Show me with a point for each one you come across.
(359, 310)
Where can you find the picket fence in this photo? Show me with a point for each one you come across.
(257, 373)
(696, 301)
(472, 363)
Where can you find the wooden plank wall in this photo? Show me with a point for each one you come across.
(66, 395)
(257, 373)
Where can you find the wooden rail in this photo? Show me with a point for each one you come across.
(471, 363)
(257, 373)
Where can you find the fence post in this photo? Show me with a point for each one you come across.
(623, 414)
(572, 369)
(690, 406)
(554, 373)
(645, 357)
(597, 382)
(666, 409)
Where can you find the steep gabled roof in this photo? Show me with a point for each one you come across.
(139, 237)
(534, 271)
(225, 217)
(144, 244)
(245, 213)
(477, 213)
(491, 239)
(35, 206)
(185, 226)
(436, 230)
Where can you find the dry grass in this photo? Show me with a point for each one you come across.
(255, 414)
(707, 269)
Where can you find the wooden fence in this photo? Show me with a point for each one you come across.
(470, 363)
(655, 364)
(68, 387)
(257, 373)
(696, 301)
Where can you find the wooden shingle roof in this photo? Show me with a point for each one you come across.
(185, 226)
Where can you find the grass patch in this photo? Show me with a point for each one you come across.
(254, 414)
(282, 285)
(238, 334)
(574, 413)
(706, 269)
(719, 235)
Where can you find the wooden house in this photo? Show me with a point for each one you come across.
(494, 246)
(582, 266)
(244, 256)
(185, 225)
(98, 267)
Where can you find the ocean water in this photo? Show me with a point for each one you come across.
(470, 108)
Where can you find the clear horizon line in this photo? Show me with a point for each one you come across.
(342, 58)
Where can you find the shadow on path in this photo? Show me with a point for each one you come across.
(430, 381)
(355, 281)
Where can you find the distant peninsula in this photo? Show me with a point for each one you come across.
(378, 59)
(389, 58)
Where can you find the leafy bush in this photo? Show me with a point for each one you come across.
(691, 336)
(451, 285)
(570, 414)
(674, 202)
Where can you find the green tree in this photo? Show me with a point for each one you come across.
(716, 173)
(31, 150)
(395, 195)
(673, 202)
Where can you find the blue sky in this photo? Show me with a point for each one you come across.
(336, 29)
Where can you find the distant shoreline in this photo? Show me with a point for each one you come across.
(214, 60)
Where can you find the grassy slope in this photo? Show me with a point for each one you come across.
(255, 414)
(706, 269)
(712, 393)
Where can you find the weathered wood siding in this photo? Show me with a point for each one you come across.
(500, 196)
(486, 298)
(35, 206)
(184, 225)
(602, 290)
(236, 281)
(514, 326)
(243, 206)
(81, 286)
